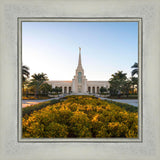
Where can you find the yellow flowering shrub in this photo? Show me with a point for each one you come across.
(81, 116)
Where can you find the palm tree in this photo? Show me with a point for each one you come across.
(135, 70)
(37, 80)
(127, 87)
(117, 83)
(45, 88)
(119, 75)
(25, 75)
(25, 72)
(134, 81)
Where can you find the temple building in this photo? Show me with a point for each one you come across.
(79, 83)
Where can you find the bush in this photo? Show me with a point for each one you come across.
(56, 130)
(28, 98)
(127, 107)
(35, 98)
(31, 109)
(79, 125)
(80, 117)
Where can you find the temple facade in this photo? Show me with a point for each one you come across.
(79, 83)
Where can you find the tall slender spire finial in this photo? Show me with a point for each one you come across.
(79, 61)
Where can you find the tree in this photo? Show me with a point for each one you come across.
(134, 79)
(25, 87)
(25, 76)
(126, 87)
(57, 89)
(134, 82)
(46, 88)
(117, 83)
(119, 75)
(25, 72)
(103, 89)
(135, 70)
(37, 80)
(115, 88)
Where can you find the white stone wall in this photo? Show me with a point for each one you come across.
(71, 85)
(66, 85)
(96, 85)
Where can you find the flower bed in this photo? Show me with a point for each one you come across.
(79, 117)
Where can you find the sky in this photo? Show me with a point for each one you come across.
(53, 48)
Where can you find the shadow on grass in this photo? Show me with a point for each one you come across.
(29, 110)
(127, 107)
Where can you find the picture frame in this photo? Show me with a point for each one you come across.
(20, 20)
(147, 147)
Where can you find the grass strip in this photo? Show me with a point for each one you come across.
(127, 107)
(31, 109)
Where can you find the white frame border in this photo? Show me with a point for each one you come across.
(10, 148)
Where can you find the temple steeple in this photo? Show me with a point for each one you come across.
(79, 61)
(79, 84)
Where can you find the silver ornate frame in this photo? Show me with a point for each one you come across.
(11, 148)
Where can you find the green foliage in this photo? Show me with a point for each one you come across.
(25, 73)
(126, 87)
(79, 125)
(37, 81)
(113, 129)
(28, 110)
(130, 96)
(56, 130)
(134, 82)
(119, 84)
(103, 89)
(45, 88)
(81, 117)
(135, 70)
(25, 76)
(57, 89)
(34, 98)
(127, 107)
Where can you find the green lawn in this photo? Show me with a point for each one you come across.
(124, 97)
(28, 110)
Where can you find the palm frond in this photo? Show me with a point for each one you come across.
(135, 65)
(135, 71)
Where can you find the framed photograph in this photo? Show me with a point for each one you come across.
(80, 80)
(83, 110)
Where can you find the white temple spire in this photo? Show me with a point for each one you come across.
(79, 61)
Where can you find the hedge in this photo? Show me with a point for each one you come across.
(125, 106)
(31, 109)
(81, 117)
